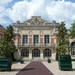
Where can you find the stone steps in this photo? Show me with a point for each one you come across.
(35, 60)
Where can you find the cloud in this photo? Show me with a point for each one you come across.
(3, 13)
(4, 2)
(60, 10)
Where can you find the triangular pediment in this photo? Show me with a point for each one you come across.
(36, 20)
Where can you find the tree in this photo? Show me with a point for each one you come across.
(72, 30)
(7, 46)
(62, 40)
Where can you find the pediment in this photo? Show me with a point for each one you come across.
(36, 20)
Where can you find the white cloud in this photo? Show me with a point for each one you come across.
(4, 2)
(73, 17)
(48, 9)
(3, 13)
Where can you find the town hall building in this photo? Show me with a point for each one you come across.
(36, 38)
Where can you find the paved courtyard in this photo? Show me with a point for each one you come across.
(53, 67)
(16, 67)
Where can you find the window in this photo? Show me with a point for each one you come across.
(47, 53)
(73, 51)
(36, 39)
(25, 53)
(25, 39)
(46, 39)
(73, 48)
(36, 53)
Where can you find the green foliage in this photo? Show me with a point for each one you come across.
(7, 45)
(62, 40)
(72, 30)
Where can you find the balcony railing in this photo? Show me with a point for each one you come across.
(37, 44)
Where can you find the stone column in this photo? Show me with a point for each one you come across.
(30, 53)
(41, 53)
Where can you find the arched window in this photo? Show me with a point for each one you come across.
(25, 53)
(73, 48)
(36, 53)
(47, 53)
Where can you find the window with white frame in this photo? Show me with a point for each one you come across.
(36, 39)
(46, 39)
(25, 39)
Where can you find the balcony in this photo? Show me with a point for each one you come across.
(37, 44)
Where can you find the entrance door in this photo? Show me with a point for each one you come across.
(36, 53)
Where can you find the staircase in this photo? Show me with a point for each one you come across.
(35, 60)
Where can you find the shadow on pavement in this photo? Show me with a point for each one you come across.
(15, 62)
(25, 69)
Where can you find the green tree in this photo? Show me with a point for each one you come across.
(62, 40)
(7, 46)
(72, 30)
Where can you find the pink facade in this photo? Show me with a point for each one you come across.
(19, 40)
(30, 39)
(41, 38)
(35, 37)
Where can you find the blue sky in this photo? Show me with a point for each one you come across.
(59, 10)
(68, 0)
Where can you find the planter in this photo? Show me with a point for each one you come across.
(21, 61)
(5, 64)
(64, 62)
(49, 60)
(57, 56)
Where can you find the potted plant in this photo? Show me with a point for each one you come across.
(7, 48)
(49, 60)
(21, 60)
(64, 59)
